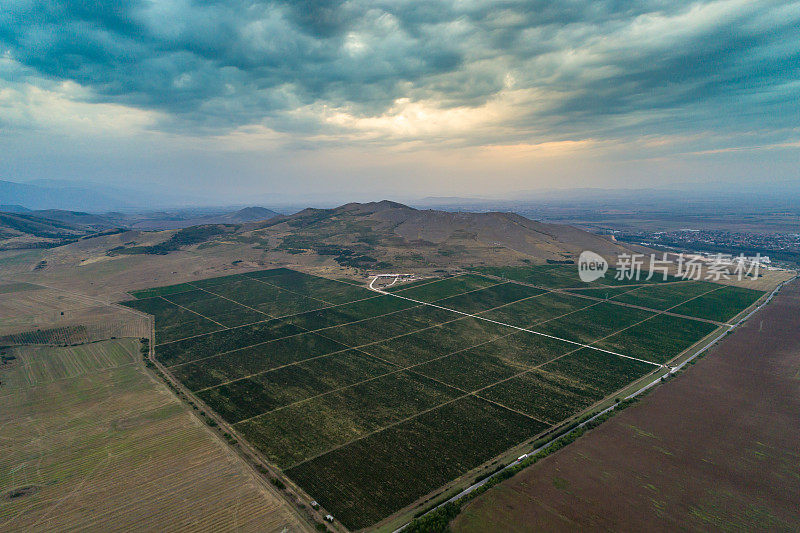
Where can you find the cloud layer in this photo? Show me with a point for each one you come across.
(563, 66)
(453, 73)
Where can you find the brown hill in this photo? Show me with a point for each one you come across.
(395, 233)
(373, 236)
(341, 242)
(23, 230)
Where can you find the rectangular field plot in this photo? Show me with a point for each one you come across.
(485, 364)
(385, 327)
(244, 362)
(224, 311)
(39, 365)
(665, 296)
(526, 313)
(562, 276)
(418, 346)
(351, 312)
(207, 344)
(370, 478)
(431, 291)
(172, 321)
(544, 395)
(601, 372)
(720, 305)
(593, 323)
(602, 292)
(489, 298)
(327, 290)
(372, 401)
(659, 339)
(252, 396)
(163, 291)
(469, 370)
(305, 429)
(264, 298)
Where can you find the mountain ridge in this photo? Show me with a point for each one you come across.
(391, 225)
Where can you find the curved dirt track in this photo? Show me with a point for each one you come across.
(715, 449)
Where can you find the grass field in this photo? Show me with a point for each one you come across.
(90, 442)
(370, 402)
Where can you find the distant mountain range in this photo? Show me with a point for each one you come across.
(248, 214)
(64, 196)
(23, 230)
(21, 227)
(89, 197)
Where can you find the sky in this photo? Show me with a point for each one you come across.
(365, 99)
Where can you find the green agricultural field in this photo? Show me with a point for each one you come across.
(378, 474)
(308, 428)
(665, 296)
(252, 360)
(430, 291)
(564, 276)
(489, 298)
(594, 323)
(370, 402)
(172, 321)
(544, 395)
(543, 308)
(657, 339)
(222, 310)
(720, 305)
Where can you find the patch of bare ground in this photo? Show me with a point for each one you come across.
(714, 449)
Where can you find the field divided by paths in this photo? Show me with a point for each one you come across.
(372, 401)
(91, 442)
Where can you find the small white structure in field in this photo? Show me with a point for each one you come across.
(314, 504)
(329, 518)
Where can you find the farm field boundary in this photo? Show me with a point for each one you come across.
(452, 505)
(662, 441)
(443, 358)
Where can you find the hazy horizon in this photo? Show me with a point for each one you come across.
(96, 197)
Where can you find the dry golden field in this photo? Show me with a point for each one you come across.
(91, 442)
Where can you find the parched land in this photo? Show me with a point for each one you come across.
(716, 449)
(90, 441)
(36, 314)
(372, 402)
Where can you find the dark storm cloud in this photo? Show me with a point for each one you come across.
(606, 67)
